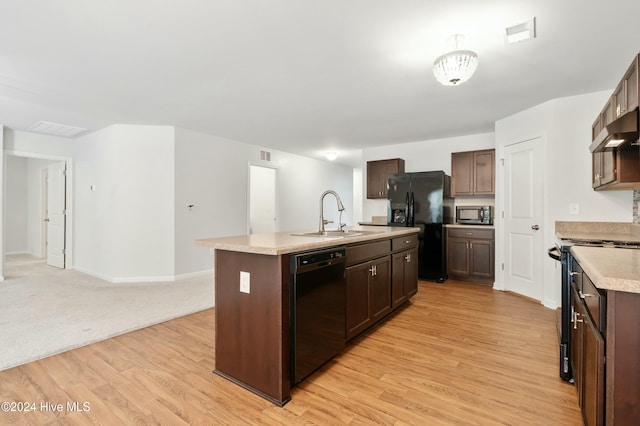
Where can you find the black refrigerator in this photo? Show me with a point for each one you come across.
(423, 200)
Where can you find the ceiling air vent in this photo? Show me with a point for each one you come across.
(56, 129)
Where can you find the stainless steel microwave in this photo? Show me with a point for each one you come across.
(474, 215)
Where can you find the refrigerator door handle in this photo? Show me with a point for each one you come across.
(407, 211)
(411, 222)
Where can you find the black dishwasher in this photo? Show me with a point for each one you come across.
(317, 309)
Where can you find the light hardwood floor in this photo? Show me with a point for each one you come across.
(459, 353)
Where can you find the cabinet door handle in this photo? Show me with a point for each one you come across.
(573, 314)
(583, 295)
(408, 258)
(471, 246)
(574, 273)
(576, 320)
(373, 270)
(535, 227)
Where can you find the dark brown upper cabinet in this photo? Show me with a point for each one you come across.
(473, 173)
(377, 174)
(617, 168)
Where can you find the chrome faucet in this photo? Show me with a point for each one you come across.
(323, 222)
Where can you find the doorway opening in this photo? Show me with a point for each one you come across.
(263, 209)
(37, 217)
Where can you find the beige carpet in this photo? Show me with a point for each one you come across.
(45, 310)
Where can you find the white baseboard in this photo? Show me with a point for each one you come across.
(93, 274)
(137, 280)
(150, 279)
(194, 275)
(12, 253)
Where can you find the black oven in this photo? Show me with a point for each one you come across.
(563, 255)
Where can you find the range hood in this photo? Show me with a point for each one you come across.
(621, 131)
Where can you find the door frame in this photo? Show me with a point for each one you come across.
(549, 291)
(68, 204)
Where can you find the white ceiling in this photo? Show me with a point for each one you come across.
(303, 76)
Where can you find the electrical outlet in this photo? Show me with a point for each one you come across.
(245, 282)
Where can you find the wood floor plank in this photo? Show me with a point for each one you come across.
(458, 353)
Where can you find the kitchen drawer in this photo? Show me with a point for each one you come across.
(476, 234)
(596, 302)
(404, 242)
(576, 274)
(358, 253)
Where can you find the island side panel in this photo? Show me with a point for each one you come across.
(252, 330)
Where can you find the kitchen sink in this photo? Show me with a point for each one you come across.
(336, 234)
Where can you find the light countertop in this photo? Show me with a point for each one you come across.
(604, 231)
(284, 242)
(610, 268)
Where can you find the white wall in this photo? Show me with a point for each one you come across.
(17, 207)
(212, 174)
(302, 181)
(564, 126)
(43, 145)
(422, 156)
(125, 227)
(135, 226)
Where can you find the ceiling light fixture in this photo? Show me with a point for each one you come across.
(331, 155)
(457, 66)
(521, 32)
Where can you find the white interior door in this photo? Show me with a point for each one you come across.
(56, 184)
(262, 200)
(523, 217)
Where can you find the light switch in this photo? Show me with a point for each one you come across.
(245, 282)
(574, 208)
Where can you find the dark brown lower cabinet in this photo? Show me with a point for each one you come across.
(470, 254)
(404, 279)
(381, 276)
(593, 374)
(368, 294)
(587, 360)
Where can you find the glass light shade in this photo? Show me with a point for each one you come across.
(454, 68)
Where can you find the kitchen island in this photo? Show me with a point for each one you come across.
(253, 296)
